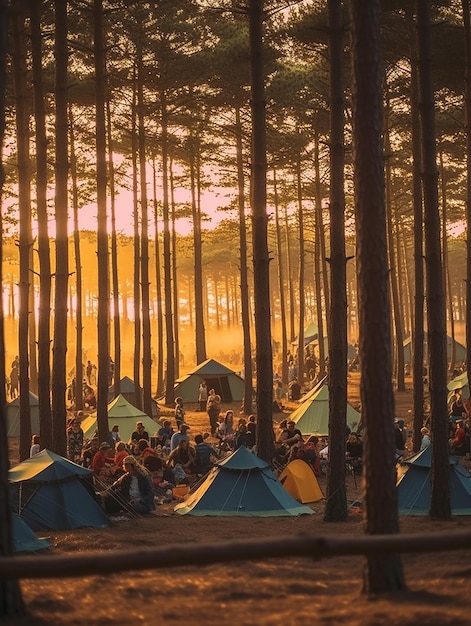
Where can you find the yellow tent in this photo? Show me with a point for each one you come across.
(299, 481)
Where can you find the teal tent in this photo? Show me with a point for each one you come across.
(312, 415)
(50, 492)
(13, 416)
(24, 539)
(310, 333)
(127, 389)
(413, 487)
(244, 485)
(125, 415)
(225, 382)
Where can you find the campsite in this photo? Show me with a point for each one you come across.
(271, 591)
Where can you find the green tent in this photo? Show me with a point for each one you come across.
(13, 416)
(312, 415)
(229, 385)
(125, 415)
(460, 350)
(413, 487)
(242, 484)
(461, 384)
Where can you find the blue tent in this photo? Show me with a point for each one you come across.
(50, 492)
(242, 484)
(24, 539)
(413, 487)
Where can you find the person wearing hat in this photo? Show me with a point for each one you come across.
(179, 436)
(102, 463)
(425, 438)
(133, 490)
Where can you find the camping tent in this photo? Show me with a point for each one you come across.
(13, 416)
(461, 384)
(241, 484)
(24, 539)
(460, 350)
(299, 480)
(125, 415)
(50, 492)
(413, 487)
(310, 333)
(128, 391)
(312, 415)
(229, 385)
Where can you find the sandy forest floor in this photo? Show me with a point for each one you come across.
(276, 591)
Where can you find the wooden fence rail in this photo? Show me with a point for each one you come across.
(60, 566)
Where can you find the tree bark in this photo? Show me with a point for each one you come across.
(436, 326)
(383, 573)
(263, 348)
(336, 496)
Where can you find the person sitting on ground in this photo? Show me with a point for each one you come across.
(311, 454)
(133, 490)
(294, 435)
(203, 453)
(179, 436)
(89, 452)
(281, 428)
(114, 436)
(121, 452)
(294, 390)
(148, 456)
(399, 440)
(457, 408)
(226, 432)
(103, 465)
(241, 438)
(35, 446)
(458, 445)
(184, 455)
(164, 433)
(251, 432)
(139, 433)
(425, 442)
(354, 452)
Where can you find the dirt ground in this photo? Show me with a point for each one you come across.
(274, 591)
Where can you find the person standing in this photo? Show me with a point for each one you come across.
(179, 411)
(213, 408)
(202, 395)
(74, 441)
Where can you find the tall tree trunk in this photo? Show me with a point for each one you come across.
(244, 280)
(158, 283)
(301, 286)
(114, 259)
(59, 349)
(383, 572)
(102, 233)
(292, 305)
(146, 330)
(261, 260)
(281, 284)
(44, 253)
(397, 314)
(78, 400)
(436, 326)
(25, 239)
(200, 338)
(446, 266)
(467, 106)
(11, 601)
(319, 255)
(418, 335)
(336, 497)
(137, 255)
(175, 299)
(170, 349)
